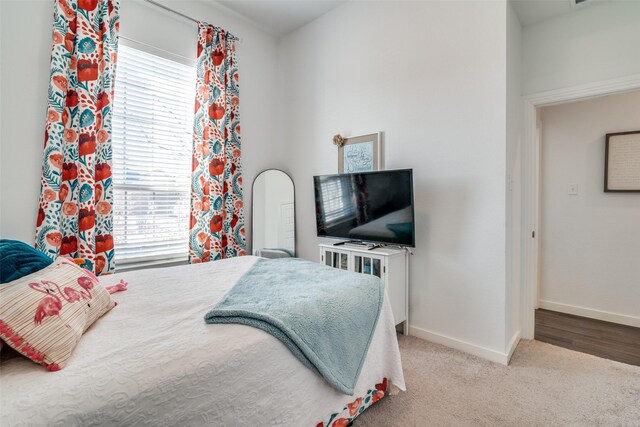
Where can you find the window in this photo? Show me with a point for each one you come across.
(336, 200)
(152, 140)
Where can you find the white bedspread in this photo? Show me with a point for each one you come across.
(153, 361)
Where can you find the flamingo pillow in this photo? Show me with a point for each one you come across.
(43, 315)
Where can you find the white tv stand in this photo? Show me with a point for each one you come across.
(389, 264)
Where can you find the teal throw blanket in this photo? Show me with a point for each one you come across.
(325, 316)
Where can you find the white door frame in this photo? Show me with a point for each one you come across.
(531, 181)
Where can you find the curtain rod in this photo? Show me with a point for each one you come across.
(175, 12)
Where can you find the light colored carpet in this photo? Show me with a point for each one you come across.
(544, 385)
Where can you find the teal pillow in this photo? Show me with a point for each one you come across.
(17, 259)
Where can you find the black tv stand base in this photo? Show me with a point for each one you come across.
(370, 246)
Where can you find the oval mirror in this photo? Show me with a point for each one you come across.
(273, 215)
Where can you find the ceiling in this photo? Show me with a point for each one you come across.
(280, 17)
(534, 11)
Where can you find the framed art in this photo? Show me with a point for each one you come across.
(622, 162)
(359, 153)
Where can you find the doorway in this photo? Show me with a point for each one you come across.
(532, 184)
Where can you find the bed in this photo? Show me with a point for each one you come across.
(153, 361)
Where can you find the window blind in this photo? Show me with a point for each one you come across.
(152, 139)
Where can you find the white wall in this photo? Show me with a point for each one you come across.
(590, 242)
(432, 76)
(25, 77)
(514, 181)
(596, 43)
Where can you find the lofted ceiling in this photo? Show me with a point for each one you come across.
(280, 17)
(534, 11)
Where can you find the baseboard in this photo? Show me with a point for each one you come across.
(606, 316)
(476, 350)
(512, 345)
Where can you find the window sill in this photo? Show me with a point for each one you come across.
(145, 264)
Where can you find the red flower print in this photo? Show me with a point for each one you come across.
(69, 245)
(205, 133)
(57, 37)
(87, 70)
(73, 63)
(234, 221)
(70, 135)
(98, 121)
(86, 219)
(98, 192)
(102, 101)
(382, 386)
(68, 11)
(69, 208)
(104, 242)
(239, 204)
(54, 239)
(87, 4)
(99, 264)
(206, 256)
(103, 136)
(377, 395)
(207, 243)
(205, 188)
(86, 144)
(60, 82)
(194, 164)
(72, 98)
(216, 111)
(65, 116)
(216, 167)
(216, 223)
(217, 57)
(69, 171)
(354, 406)
(73, 24)
(320, 424)
(69, 38)
(103, 171)
(202, 236)
(103, 208)
(340, 422)
(52, 116)
(40, 217)
(64, 191)
(192, 222)
(49, 195)
(205, 203)
(235, 100)
(224, 241)
(56, 160)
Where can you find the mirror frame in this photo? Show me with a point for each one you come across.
(295, 219)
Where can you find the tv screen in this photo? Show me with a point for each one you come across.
(366, 206)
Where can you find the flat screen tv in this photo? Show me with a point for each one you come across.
(367, 206)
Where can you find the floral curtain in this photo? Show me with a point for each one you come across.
(74, 216)
(217, 215)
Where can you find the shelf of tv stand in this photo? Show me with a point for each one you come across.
(390, 264)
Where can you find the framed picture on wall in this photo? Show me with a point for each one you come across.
(622, 162)
(360, 153)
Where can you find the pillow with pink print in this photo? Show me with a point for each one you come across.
(43, 315)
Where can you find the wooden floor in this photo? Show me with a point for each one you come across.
(603, 339)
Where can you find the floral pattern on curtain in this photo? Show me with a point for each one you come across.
(217, 213)
(74, 215)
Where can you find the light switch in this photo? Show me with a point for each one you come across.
(572, 189)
